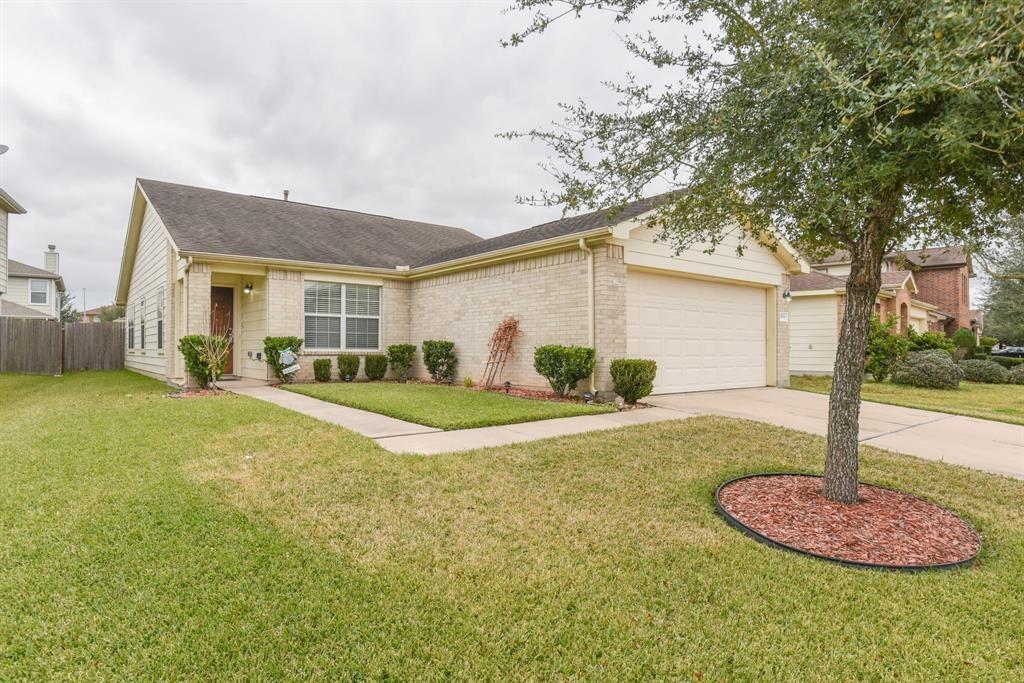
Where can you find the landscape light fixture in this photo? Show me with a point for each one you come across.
(508, 387)
(587, 397)
(248, 288)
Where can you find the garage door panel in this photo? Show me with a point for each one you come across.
(703, 335)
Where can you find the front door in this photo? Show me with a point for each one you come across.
(222, 316)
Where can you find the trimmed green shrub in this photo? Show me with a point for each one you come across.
(468, 382)
(440, 359)
(924, 341)
(564, 366)
(348, 366)
(986, 371)
(988, 341)
(965, 343)
(933, 369)
(198, 362)
(885, 348)
(322, 369)
(400, 358)
(272, 348)
(375, 366)
(633, 378)
(1016, 375)
(1008, 362)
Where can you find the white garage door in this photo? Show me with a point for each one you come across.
(703, 335)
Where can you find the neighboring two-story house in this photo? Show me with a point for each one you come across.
(925, 289)
(33, 292)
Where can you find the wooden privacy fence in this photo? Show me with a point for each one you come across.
(45, 347)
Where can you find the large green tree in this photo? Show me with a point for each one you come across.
(856, 125)
(1004, 302)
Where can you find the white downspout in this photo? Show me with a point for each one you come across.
(590, 300)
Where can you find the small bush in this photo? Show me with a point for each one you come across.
(564, 366)
(400, 358)
(1008, 362)
(440, 359)
(965, 343)
(468, 382)
(322, 369)
(925, 341)
(988, 341)
(272, 348)
(348, 366)
(375, 366)
(984, 371)
(933, 369)
(1016, 375)
(885, 348)
(200, 366)
(633, 378)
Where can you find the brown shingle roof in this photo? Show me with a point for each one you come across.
(211, 221)
(894, 278)
(812, 281)
(13, 310)
(932, 257)
(19, 269)
(566, 226)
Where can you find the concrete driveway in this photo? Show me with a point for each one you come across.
(982, 444)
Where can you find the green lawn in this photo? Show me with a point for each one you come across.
(143, 537)
(441, 406)
(1001, 402)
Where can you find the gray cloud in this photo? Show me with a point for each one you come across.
(381, 107)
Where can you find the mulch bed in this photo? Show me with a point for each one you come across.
(886, 528)
(193, 393)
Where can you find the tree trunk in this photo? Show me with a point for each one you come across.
(862, 287)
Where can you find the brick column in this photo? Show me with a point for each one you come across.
(197, 283)
(782, 334)
(609, 311)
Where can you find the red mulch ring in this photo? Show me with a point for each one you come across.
(194, 393)
(886, 528)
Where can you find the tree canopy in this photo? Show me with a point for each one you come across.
(1004, 303)
(805, 117)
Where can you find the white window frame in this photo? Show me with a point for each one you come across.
(131, 327)
(342, 318)
(142, 323)
(45, 292)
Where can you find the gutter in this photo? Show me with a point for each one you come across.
(590, 300)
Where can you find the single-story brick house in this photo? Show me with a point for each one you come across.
(353, 282)
(816, 314)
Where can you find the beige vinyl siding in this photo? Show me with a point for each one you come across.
(813, 322)
(149, 275)
(3, 251)
(757, 265)
(253, 317)
(18, 291)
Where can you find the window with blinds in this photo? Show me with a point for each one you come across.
(341, 316)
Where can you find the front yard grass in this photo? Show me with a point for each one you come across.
(441, 406)
(148, 538)
(1000, 402)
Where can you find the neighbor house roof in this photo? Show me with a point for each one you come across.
(932, 257)
(566, 226)
(19, 269)
(13, 310)
(8, 204)
(815, 281)
(215, 222)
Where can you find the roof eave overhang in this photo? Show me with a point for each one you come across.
(818, 292)
(8, 204)
(518, 251)
(287, 263)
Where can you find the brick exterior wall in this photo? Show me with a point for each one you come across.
(547, 293)
(197, 296)
(950, 290)
(610, 311)
(782, 334)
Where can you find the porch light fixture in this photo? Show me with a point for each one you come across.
(508, 387)
(787, 296)
(248, 288)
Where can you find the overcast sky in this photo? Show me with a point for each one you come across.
(381, 107)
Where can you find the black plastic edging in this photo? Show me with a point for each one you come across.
(761, 538)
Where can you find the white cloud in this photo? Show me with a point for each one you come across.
(382, 107)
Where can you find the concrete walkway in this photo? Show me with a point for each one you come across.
(982, 444)
(373, 425)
